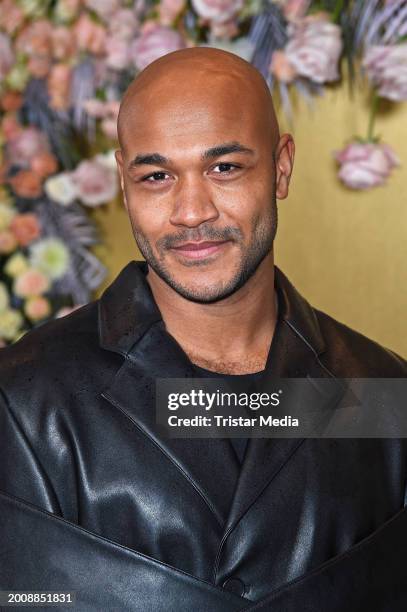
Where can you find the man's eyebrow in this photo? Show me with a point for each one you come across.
(156, 159)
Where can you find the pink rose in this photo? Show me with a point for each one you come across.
(123, 24)
(365, 165)
(117, 53)
(11, 16)
(153, 43)
(314, 48)
(386, 67)
(217, 10)
(95, 182)
(30, 283)
(37, 308)
(169, 9)
(90, 36)
(6, 55)
(25, 145)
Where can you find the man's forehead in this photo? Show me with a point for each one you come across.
(179, 94)
(188, 118)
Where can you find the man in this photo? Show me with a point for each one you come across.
(95, 500)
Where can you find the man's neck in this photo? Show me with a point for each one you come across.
(232, 336)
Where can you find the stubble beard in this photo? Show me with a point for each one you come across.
(261, 243)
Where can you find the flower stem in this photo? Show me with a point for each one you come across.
(372, 117)
(337, 11)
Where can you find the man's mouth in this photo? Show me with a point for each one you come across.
(198, 250)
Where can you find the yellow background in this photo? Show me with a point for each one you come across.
(343, 250)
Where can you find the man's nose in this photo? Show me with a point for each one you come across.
(193, 203)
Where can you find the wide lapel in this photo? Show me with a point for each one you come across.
(130, 323)
(294, 353)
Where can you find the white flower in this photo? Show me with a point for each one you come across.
(6, 215)
(50, 256)
(61, 188)
(11, 321)
(16, 265)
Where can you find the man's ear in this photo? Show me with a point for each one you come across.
(119, 160)
(284, 156)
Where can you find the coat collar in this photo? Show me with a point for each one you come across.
(130, 324)
(127, 309)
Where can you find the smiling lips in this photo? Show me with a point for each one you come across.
(198, 250)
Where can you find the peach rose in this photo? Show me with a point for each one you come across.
(37, 308)
(11, 101)
(31, 283)
(8, 242)
(26, 184)
(281, 68)
(44, 164)
(26, 228)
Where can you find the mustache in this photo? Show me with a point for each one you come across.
(199, 235)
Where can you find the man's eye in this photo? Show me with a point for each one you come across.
(224, 167)
(155, 177)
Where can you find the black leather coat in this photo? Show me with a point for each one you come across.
(93, 500)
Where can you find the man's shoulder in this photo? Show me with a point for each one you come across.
(59, 345)
(350, 354)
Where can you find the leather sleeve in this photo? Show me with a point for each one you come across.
(21, 473)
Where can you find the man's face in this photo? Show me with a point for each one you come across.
(199, 181)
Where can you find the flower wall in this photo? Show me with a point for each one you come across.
(64, 66)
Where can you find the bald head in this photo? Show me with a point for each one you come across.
(194, 77)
